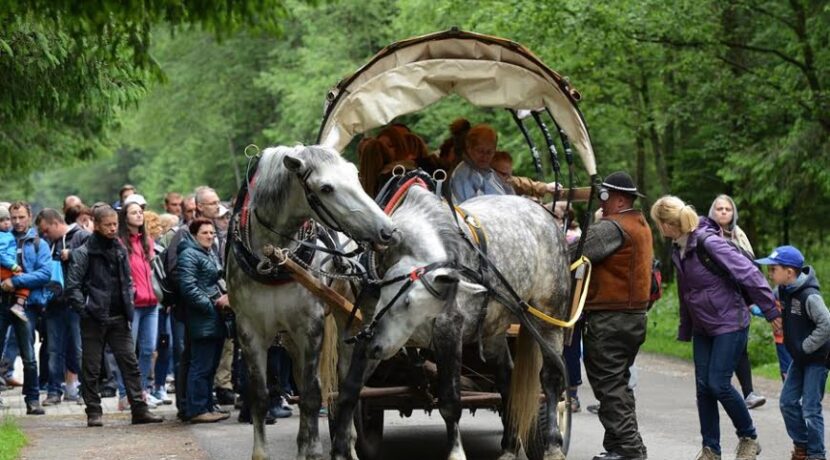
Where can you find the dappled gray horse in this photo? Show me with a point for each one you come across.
(290, 186)
(525, 244)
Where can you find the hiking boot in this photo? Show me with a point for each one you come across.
(17, 310)
(707, 454)
(752, 400)
(208, 417)
(145, 416)
(52, 400)
(34, 408)
(94, 420)
(799, 453)
(748, 449)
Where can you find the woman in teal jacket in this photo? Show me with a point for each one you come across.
(198, 275)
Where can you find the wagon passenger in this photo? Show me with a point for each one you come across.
(474, 176)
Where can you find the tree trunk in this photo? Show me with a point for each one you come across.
(236, 173)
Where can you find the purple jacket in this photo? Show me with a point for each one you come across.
(709, 304)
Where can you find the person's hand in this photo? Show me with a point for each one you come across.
(222, 302)
(7, 285)
(553, 187)
(598, 214)
(777, 326)
(65, 255)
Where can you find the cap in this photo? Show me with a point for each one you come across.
(788, 256)
(621, 182)
(134, 198)
(4, 213)
(222, 210)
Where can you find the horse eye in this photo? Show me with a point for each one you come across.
(326, 189)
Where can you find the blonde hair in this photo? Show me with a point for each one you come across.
(673, 211)
(152, 223)
(479, 133)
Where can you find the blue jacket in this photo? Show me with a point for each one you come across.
(712, 305)
(37, 264)
(198, 276)
(8, 250)
(468, 182)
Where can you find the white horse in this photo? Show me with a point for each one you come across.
(525, 244)
(290, 186)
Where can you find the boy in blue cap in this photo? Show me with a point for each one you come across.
(807, 338)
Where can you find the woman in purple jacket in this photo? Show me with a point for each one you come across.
(715, 317)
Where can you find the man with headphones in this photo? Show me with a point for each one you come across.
(619, 245)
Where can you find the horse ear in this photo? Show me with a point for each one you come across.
(293, 163)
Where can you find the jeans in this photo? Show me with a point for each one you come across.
(715, 361)
(63, 327)
(113, 332)
(204, 359)
(573, 356)
(163, 346)
(145, 333)
(801, 406)
(784, 359)
(12, 350)
(25, 341)
(181, 363)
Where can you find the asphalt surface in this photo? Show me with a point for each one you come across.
(666, 413)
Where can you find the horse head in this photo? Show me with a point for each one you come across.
(402, 307)
(332, 192)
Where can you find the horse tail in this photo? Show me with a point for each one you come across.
(525, 387)
(328, 359)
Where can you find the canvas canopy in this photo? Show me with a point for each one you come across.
(409, 75)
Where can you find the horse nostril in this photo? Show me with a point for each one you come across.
(386, 235)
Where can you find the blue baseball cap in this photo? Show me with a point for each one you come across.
(788, 256)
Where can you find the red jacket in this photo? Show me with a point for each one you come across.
(141, 273)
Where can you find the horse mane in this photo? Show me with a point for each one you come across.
(423, 205)
(272, 177)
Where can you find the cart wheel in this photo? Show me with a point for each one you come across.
(537, 444)
(369, 425)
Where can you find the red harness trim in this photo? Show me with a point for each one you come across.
(396, 198)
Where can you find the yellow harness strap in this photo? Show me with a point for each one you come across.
(582, 296)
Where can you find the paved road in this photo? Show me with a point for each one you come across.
(667, 414)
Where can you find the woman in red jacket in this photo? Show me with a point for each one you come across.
(133, 235)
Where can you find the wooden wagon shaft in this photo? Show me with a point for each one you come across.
(328, 295)
(580, 193)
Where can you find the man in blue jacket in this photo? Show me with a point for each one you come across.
(34, 256)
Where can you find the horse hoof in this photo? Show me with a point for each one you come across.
(507, 456)
(259, 456)
(555, 455)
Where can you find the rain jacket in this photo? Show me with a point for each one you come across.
(198, 275)
(145, 296)
(710, 304)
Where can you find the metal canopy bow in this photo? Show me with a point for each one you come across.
(412, 74)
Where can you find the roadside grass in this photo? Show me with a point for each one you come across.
(661, 338)
(11, 439)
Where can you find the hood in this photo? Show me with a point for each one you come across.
(734, 221)
(188, 242)
(807, 278)
(30, 233)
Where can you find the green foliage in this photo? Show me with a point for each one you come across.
(11, 439)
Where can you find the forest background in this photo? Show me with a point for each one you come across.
(694, 98)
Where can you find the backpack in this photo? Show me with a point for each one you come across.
(656, 292)
(42, 296)
(715, 268)
(164, 266)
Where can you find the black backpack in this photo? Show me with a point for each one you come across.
(714, 267)
(164, 266)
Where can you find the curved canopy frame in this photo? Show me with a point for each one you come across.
(487, 71)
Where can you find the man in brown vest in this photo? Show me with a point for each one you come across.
(619, 246)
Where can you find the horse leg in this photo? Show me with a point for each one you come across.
(255, 352)
(306, 366)
(497, 353)
(344, 436)
(447, 345)
(554, 381)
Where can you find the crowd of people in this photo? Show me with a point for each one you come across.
(115, 314)
(124, 302)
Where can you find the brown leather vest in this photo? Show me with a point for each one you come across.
(623, 280)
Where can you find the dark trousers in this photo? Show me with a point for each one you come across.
(573, 356)
(64, 345)
(25, 340)
(204, 359)
(611, 342)
(744, 373)
(95, 335)
(182, 365)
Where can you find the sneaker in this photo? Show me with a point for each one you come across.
(34, 408)
(17, 310)
(593, 408)
(161, 395)
(707, 454)
(52, 400)
(219, 410)
(752, 401)
(123, 404)
(748, 449)
(284, 404)
(152, 401)
(279, 412)
(225, 397)
(208, 417)
(575, 406)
